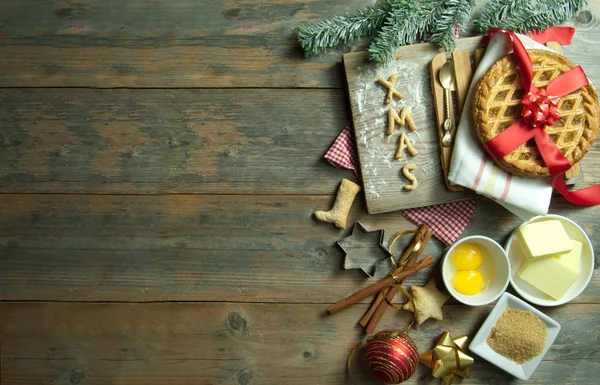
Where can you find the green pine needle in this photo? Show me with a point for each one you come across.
(509, 14)
(317, 37)
(410, 21)
(399, 22)
(553, 12)
(454, 15)
(526, 15)
(401, 27)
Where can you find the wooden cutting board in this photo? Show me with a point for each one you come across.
(382, 174)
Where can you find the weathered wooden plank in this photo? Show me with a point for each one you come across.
(161, 43)
(242, 344)
(176, 372)
(381, 172)
(204, 248)
(176, 141)
(212, 372)
(169, 141)
(115, 22)
(184, 19)
(185, 65)
(118, 23)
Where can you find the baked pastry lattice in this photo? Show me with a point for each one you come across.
(497, 105)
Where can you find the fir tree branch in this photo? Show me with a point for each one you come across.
(526, 15)
(410, 21)
(553, 12)
(317, 37)
(402, 26)
(454, 14)
(401, 22)
(509, 14)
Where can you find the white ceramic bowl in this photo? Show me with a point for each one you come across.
(497, 283)
(480, 347)
(532, 294)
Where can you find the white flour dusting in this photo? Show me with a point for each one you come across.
(430, 167)
(420, 140)
(377, 148)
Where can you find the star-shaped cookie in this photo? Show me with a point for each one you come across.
(428, 301)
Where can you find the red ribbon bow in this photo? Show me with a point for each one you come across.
(540, 109)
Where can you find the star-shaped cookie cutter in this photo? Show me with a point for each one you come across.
(363, 249)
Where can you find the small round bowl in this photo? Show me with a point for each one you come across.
(500, 277)
(586, 269)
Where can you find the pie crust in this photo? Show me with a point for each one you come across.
(497, 105)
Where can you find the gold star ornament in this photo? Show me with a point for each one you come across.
(447, 360)
(428, 302)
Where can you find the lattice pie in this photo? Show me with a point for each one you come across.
(497, 105)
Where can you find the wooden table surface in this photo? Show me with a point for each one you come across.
(160, 162)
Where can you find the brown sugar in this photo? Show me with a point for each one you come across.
(518, 335)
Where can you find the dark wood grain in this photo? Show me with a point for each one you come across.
(184, 65)
(162, 43)
(176, 141)
(238, 343)
(204, 248)
(169, 141)
(220, 161)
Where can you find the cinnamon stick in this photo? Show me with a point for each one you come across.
(378, 300)
(383, 306)
(380, 311)
(374, 306)
(400, 274)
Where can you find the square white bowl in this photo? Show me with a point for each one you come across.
(480, 347)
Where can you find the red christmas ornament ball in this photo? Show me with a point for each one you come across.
(392, 360)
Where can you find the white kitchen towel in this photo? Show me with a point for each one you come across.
(471, 166)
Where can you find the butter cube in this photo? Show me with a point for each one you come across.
(549, 275)
(571, 259)
(544, 239)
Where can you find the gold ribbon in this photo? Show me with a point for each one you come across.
(395, 238)
(404, 260)
(447, 360)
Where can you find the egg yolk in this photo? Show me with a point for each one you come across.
(468, 282)
(467, 256)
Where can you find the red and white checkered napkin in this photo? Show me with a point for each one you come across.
(446, 221)
(342, 153)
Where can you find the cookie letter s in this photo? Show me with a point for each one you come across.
(411, 178)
